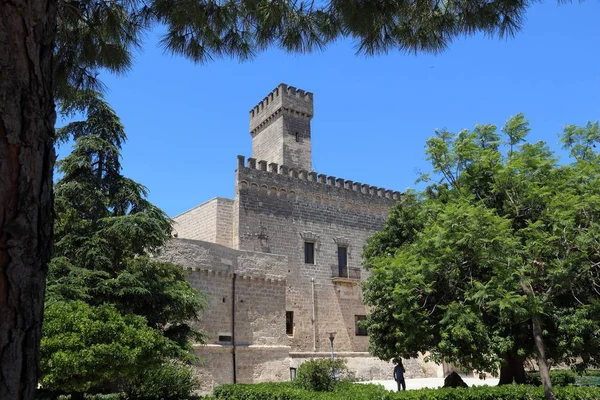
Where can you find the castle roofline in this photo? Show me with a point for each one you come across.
(312, 176)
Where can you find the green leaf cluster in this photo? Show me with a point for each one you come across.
(502, 233)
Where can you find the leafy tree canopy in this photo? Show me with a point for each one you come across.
(85, 346)
(96, 34)
(105, 231)
(505, 240)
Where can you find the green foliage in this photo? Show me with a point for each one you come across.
(284, 391)
(567, 377)
(321, 374)
(84, 346)
(505, 392)
(289, 391)
(110, 396)
(505, 233)
(558, 378)
(105, 230)
(171, 381)
(115, 317)
(94, 35)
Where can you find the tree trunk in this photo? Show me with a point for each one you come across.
(27, 30)
(539, 347)
(513, 370)
(542, 362)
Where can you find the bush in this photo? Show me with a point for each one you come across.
(505, 392)
(566, 378)
(287, 391)
(558, 378)
(320, 375)
(109, 396)
(168, 382)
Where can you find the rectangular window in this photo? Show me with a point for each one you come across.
(360, 331)
(343, 261)
(224, 338)
(309, 253)
(289, 322)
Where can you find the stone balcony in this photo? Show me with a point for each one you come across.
(345, 273)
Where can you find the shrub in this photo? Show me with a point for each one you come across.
(109, 396)
(558, 378)
(566, 377)
(172, 381)
(505, 392)
(286, 391)
(320, 375)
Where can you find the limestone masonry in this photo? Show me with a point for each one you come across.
(281, 262)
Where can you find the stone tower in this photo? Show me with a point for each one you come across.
(280, 128)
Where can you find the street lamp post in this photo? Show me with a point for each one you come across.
(331, 337)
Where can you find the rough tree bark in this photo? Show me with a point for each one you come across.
(27, 30)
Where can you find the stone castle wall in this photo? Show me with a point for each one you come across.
(260, 290)
(262, 348)
(211, 221)
(278, 210)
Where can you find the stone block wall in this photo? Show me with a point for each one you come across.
(367, 368)
(211, 221)
(224, 228)
(260, 290)
(261, 344)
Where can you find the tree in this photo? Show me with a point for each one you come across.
(498, 261)
(84, 347)
(102, 272)
(51, 49)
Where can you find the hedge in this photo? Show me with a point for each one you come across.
(504, 392)
(566, 378)
(558, 378)
(286, 391)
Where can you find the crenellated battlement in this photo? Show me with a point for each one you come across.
(283, 99)
(326, 183)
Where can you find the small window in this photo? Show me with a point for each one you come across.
(343, 261)
(309, 253)
(289, 322)
(224, 338)
(360, 331)
(297, 137)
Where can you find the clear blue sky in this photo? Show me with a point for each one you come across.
(186, 122)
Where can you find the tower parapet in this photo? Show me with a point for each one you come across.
(281, 179)
(283, 98)
(280, 127)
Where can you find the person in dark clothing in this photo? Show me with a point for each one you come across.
(399, 375)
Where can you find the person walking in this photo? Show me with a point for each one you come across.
(399, 374)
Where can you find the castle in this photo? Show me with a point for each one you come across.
(280, 263)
